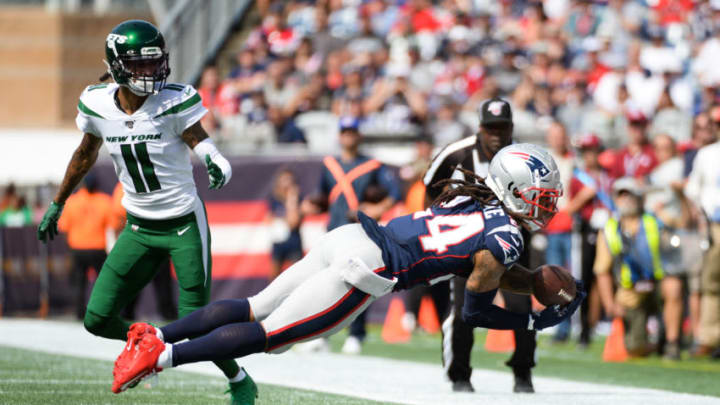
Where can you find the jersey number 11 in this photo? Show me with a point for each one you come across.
(148, 170)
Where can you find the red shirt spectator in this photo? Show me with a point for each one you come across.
(637, 159)
(635, 163)
(673, 11)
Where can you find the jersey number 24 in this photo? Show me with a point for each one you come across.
(449, 230)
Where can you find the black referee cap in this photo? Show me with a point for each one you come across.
(495, 111)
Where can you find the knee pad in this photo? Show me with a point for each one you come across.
(95, 323)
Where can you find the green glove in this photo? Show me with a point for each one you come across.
(217, 178)
(49, 225)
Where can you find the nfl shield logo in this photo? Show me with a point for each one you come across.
(129, 124)
(495, 107)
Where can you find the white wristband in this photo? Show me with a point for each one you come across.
(207, 148)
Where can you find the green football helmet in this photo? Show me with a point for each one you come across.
(137, 57)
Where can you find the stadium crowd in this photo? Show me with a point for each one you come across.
(615, 89)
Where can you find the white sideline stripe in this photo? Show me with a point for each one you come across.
(362, 377)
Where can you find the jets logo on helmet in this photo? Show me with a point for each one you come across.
(533, 163)
(136, 57)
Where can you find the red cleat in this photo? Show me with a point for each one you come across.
(135, 334)
(140, 329)
(137, 363)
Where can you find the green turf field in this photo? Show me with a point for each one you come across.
(30, 378)
(564, 361)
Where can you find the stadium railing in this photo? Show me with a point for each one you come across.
(195, 31)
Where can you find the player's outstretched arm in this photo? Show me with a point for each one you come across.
(82, 160)
(219, 169)
(480, 289)
(518, 279)
(478, 309)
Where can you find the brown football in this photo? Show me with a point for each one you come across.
(553, 285)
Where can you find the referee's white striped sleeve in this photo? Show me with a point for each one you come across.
(439, 160)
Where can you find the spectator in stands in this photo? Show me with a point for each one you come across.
(285, 219)
(445, 126)
(208, 90)
(278, 90)
(582, 21)
(559, 230)
(670, 120)
(637, 159)
(590, 204)
(704, 129)
(665, 196)
(392, 105)
(703, 187)
(343, 19)
(508, 73)
(86, 218)
(285, 129)
(373, 190)
(352, 89)
(14, 211)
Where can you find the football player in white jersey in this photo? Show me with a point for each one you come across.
(149, 127)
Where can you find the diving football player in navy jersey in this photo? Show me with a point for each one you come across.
(472, 229)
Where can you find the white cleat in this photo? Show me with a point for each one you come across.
(352, 345)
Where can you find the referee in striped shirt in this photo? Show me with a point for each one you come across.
(474, 153)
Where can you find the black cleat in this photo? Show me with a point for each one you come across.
(523, 381)
(462, 386)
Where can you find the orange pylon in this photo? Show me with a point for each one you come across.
(427, 316)
(615, 350)
(500, 341)
(393, 331)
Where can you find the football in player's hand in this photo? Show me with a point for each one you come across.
(553, 285)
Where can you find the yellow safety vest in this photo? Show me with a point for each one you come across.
(651, 230)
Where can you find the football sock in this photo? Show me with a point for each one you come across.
(165, 359)
(227, 342)
(229, 367)
(239, 377)
(206, 319)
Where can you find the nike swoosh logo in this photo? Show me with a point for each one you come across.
(182, 231)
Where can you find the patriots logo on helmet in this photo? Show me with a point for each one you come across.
(533, 163)
(510, 251)
(495, 107)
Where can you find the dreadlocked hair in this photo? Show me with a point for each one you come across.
(474, 188)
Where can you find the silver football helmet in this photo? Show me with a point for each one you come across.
(525, 178)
